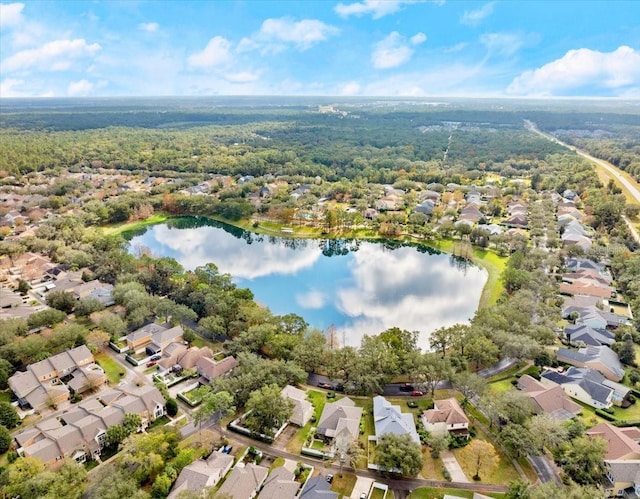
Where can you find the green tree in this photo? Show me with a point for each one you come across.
(268, 410)
(61, 300)
(8, 415)
(115, 435)
(219, 404)
(399, 453)
(311, 351)
(87, 306)
(161, 486)
(172, 406)
(113, 482)
(6, 368)
(584, 460)
(189, 336)
(470, 385)
(5, 439)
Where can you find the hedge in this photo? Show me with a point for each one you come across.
(605, 415)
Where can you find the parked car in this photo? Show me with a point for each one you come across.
(227, 449)
(417, 393)
(406, 387)
(156, 357)
(364, 495)
(326, 386)
(330, 477)
(152, 363)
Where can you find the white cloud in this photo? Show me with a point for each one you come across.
(505, 44)
(53, 56)
(216, 53)
(79, 88)
(350, 88)
(241, 77)
(582, 68)
(476, 16)
(418, 38)
(149, 27)
(376, 8)
(277, 33)
(9, 88)
(391, 51)
(455, 48)
(312, 299)
(10, 14)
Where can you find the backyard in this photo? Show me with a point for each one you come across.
(111, 368)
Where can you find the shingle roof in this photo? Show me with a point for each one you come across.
(317, 488)
(343, 409)
(619, 445)
(243, 481)
(446, 411)
(389, 418)
(279, 484)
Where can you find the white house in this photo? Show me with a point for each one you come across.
(302, 408)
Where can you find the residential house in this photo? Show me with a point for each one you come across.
(79, 433)
(244, 481)
(183, 356)
(389, 418)
(101, 291)
(582, 384)
(153, 338)
(201, 474)
(587, 287)
(209, 369)
(302, 408)
(594, 317)
(388, 203)
(426, 207)
(551, 400)
(600, 358)
(578, 264)
(582, 335)
(446, 417)
(518, 220)
(280, 484)
(622, 459)
(48, 382)
(317, 488)
(340, 418)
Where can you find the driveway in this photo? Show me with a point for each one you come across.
(451, 464)
(363, 485)
(543, 469)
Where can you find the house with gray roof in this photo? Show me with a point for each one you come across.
(340, 418)
(388, 418)
(583, 335)
(318, 488)
(201, 474)
(600, 358)
(280, 484)
(245, 481)
(585, 385)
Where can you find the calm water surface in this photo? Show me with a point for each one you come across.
(359, 287)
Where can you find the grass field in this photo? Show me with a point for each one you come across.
(439, 493)
(111, 368)
(343, 484)
(117, 229)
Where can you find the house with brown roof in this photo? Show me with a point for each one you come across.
(79, 433)
(184, 356)
(48, 382)
(245, 481)
(280, 484)
(209, 369)
(551, 400)
(446, 417)
(622, 459)
(201, 474)
(153, 338)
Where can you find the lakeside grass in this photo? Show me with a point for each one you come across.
(117, 229)
(440, 492)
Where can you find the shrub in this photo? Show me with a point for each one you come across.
(172, 406)
(605, 415)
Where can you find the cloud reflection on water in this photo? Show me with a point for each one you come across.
(361, 292)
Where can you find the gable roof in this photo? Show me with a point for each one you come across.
(550, 400)
(341, 416)
(244, 481)
(619, 444)
(389, 418)
(317, 488)
(588, 379)
(280, 484)
(210, 368)
(601, 358)
(200, 474)
(588, 335)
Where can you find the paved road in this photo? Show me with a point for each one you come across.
(501, 366)
(405, 485)
(543, 469)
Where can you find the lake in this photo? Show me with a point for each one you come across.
(360, 287)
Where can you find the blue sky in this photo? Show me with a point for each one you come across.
(365, 47)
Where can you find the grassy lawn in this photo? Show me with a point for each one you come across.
(504, 472)
(367, 419)
(111, 368)
(502, 386)
(201, 342)
(201, 444)
(116, 229)
(343, 485)
(439, 493)
(377, 494)
(432, 467)
(5, 395)
(277, 463)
